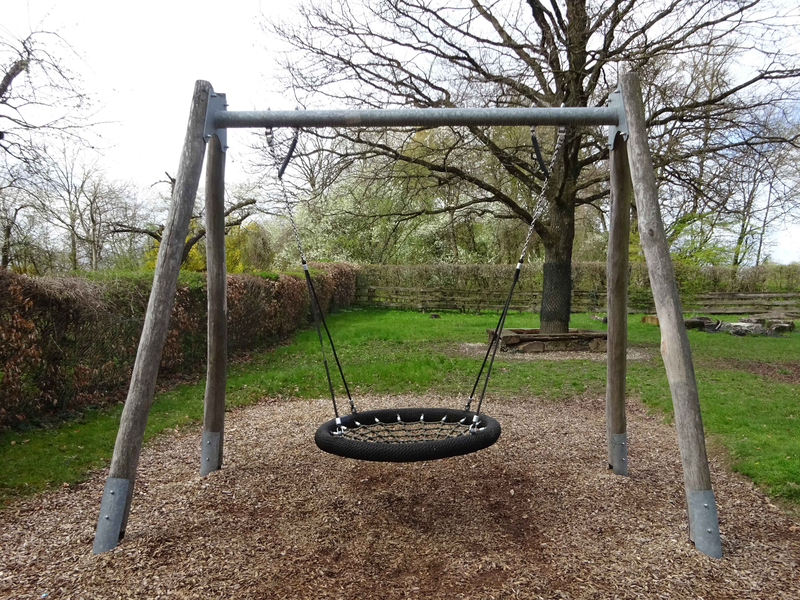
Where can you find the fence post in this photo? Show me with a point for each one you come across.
(675, 350)
(214, 401)
(116, 502)
(617, 306)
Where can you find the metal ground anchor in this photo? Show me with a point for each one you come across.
(209, 453)
(112, 509)
(619, 453)
(704, 522)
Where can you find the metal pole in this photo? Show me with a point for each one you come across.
(423, 117)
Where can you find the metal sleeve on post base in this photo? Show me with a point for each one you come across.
(214, 401)
(619, 453)
(210, 452)
(675, 348)
(128, 445)
(617, 286)
(112, 509)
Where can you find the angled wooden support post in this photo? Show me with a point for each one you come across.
(116, 502)
(214, 402)
(702, 509)
(617, 289)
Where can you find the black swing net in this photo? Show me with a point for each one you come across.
(406, 434)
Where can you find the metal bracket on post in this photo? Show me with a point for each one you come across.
(619, 453)
(704, 523)
(615, 101)
(209, 454)
(216, 103)
(112, 509)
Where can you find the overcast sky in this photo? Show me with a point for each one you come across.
(140, 61)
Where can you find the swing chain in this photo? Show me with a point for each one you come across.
(316, 308)
(495, 342)
(562, 133)
(278, 164)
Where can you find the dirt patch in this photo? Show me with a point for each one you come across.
(479, 350)
(785, 372)
(537, 515)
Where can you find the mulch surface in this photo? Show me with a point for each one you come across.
(537, 515)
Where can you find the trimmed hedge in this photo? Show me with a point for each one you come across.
(70, 342)
(586, 276)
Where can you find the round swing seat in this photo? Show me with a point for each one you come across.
(407, 434)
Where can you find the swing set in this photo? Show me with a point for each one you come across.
(415, 434)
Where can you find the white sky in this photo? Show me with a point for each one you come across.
(141, 60)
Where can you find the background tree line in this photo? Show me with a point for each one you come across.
(59, 210)
(721, 92)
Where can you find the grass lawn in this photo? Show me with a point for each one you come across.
(390, 352)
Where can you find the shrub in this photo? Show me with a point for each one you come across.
(586, 276)
(70, 342)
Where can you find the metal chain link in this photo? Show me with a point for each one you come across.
(284, 193)
(562, 133)
(494, 344)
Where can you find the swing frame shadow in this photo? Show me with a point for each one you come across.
(632, 174)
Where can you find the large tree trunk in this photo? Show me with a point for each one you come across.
(557, 284)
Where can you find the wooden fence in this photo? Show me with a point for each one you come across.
(430, 299)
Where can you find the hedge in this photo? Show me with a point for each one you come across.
(586, 276)
(70, 342)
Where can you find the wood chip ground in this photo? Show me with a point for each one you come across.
(538, 515)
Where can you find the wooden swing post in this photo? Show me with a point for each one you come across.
(617, 311)
(116, 502)
(214, 401)
(675, 350)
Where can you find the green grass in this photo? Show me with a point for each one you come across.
(393, 352)
(755, 418)
(35, 460)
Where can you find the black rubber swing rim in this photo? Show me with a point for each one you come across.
(486, 434)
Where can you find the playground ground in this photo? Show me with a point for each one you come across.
(538, 515)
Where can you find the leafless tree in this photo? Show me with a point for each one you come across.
(431, 53)
(72, 194)
(239, 208)
(14, 203)
(25, 245)
(767, 192)
(38, 93)
(39, 97)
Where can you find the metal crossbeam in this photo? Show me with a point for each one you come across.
(423, 117)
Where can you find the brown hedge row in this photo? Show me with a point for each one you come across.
(70, 342)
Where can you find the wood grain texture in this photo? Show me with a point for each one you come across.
(214, 401)
(617, 291)
(674, 341)
(128, 445)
